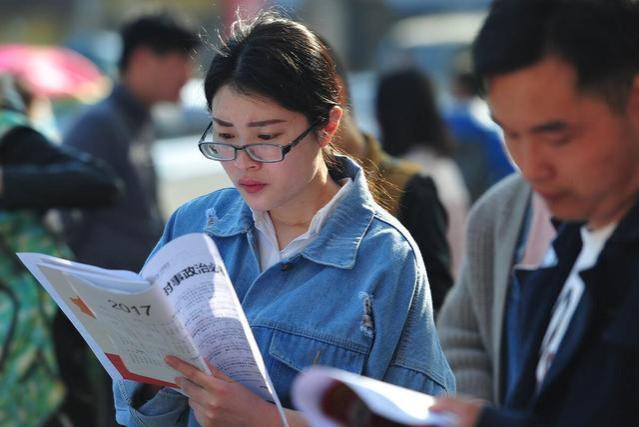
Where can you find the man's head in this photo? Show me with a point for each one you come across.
(156, 55)
(562, 80)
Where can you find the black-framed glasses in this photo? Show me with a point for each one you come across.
(260, 152)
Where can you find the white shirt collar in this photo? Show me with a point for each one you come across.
(267, 239)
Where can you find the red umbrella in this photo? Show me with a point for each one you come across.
(53, 71)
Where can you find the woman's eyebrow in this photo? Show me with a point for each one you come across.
(265, 123)
(222, 122)
(255, 124)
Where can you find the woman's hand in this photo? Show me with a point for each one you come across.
(218, 401)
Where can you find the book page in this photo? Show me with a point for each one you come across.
(58, 288)
(138, 330)
(128, 325)
(190, 272)
(397, 404)
(115, 280)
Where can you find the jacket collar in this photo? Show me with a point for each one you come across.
(340, 237)
(539, 291)
(628, 228)
(547, 282)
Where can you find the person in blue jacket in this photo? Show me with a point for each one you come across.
(324, 274)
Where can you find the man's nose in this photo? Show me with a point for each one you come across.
(535, 160)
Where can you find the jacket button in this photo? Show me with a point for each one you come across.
(285, 266)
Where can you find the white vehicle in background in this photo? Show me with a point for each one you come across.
(432, 42)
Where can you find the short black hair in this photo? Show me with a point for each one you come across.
(162, 30)
(599, 38)
(280, 59)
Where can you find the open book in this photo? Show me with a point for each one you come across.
(330, 397)
(182, 304)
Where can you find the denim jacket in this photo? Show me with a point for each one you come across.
(357, 298)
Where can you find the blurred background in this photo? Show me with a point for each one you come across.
(371, 36)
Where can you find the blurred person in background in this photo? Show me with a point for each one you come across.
(479, 150)
(407, 193)
(412, 128)
(155, 63)
(35, 175)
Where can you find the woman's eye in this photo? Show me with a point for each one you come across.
(266, 137)
(224, 136)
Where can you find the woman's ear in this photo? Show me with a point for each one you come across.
(326, 134)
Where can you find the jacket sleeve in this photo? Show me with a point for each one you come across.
(167, 408)
(40, 175)
(461, 340)
(405, 347)
(495, 417)
(470, 322)
(462, 324)
(419, 362)
(424, 216)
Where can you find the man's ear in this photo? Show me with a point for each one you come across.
(327, 134)
(633, 100)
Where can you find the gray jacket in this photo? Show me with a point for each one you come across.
(471, 319)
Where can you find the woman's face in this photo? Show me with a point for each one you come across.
(241, 119)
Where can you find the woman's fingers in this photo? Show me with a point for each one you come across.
(219, 374)
(190, 372)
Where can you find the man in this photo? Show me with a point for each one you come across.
(155, 63)
(562, 80)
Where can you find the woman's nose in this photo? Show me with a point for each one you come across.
(244, 161)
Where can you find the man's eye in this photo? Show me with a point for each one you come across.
(560, 141)
(224, 136)
(266, 137)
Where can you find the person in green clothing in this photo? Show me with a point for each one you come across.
(35, 175)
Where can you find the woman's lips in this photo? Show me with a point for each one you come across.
(251, 186)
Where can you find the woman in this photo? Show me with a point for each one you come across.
(412, 128)
(324, 275)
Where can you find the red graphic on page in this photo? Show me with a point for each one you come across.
(82, 306)
(128, 375)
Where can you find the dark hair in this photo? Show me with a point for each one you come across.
(599, 38)
(408, 115)
(161, 30)
(280, 59)
(467, 84)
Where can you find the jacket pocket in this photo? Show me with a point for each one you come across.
(292, 353)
